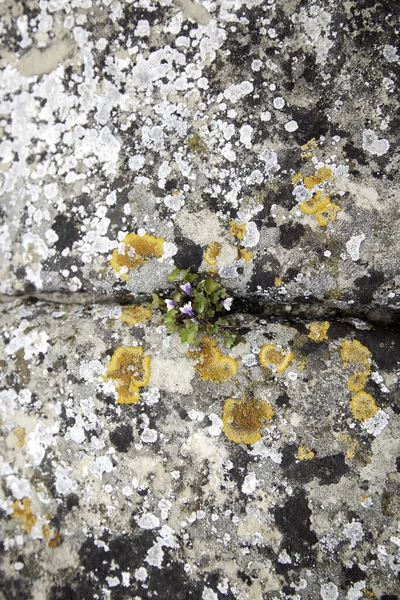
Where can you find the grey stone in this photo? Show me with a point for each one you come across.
(153, 500)
(176, 118)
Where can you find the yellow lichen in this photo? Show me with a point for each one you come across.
(278, 281)
(130, 369)
(305, 453)
(308, 148)
(212, 365)
(20, 435)
(318, 330)
(197, 144)
(320, 205)
(363, 406)
(22, 510)
(244, 419)
(236, 230)
(297, 177)
(138, 249)
(135, 314)
(352, 351)
(212, 253)
(271, 355)
(345, 438)
(323, 174)
(357, 382)
(245, 254)
(55, 540)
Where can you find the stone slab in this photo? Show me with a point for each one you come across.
(179, 118)
(114, 501)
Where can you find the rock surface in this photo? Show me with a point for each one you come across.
(181, 118)
(256, 142)
(110, 500)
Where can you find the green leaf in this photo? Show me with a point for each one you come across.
(229, 340)
(190, 277)
(211, 286)
(212, 329)
(216, 296)
(157, 301)
(174, 275)
(169, 319)
(200, 302)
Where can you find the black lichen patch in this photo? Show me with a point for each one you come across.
(328, 469)
(122, 437)
(189, 254)
(293, 520)
(172, 581)
(67, 232)
(291, 234)
(367, 285)
(283, 400)
(261, 278)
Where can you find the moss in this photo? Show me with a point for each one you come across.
(271, 355)
(129, 368)
(244, 419)
(138, 249)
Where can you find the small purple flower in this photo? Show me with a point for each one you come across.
(227, 303)
(170, 304)
(187, 310)
(187, 288)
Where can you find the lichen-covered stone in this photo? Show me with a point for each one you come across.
(161, 498)
(187, 122)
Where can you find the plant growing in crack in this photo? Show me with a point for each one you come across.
(196, 306)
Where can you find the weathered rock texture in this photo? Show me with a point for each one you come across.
(177, 118)
(256, 141)
(154, 500)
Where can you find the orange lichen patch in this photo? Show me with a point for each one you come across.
(212, 365)
(246, 255)
(305, 453)
(297, 177)
(236, 230)
(363, 406)
(135, 314)
(130, 369)
(320, 205)
(22, 510)
(55, 540)
(352, 351)
(244, 419)
(278, 281)
(212, 271)
(308, 148)
(363, 498)
(318, 330)
(138, 250)
(271, 355)
(20, 435)
(323, 174)
(212, 253)
(345, 438)
(357, 382)
(46, 530)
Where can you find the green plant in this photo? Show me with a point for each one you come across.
(196, 306)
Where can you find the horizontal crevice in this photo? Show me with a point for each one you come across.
(251, 306)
